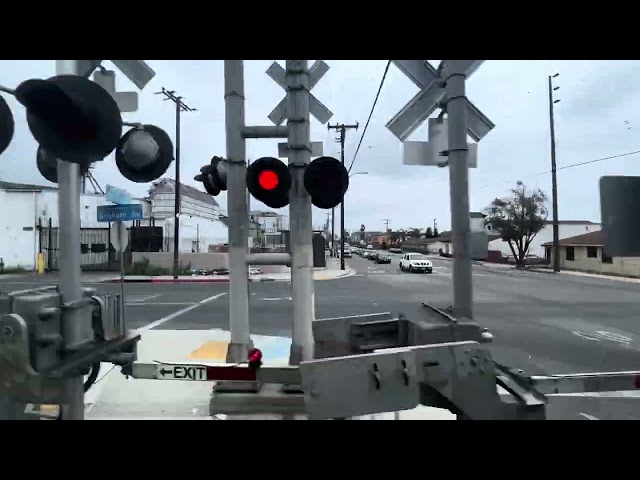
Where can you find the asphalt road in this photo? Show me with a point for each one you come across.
(542, 323)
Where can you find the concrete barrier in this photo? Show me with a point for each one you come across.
(205, 261)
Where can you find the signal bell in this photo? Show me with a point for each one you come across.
(7, 125)
(71, 117)
(269, 181)
(144, 154)
(326, 181)
(213, 177)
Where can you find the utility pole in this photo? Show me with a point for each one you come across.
(180, 107)
(554, 181)
(342, 128)
(386, 224)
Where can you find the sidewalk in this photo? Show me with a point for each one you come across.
(584, 274)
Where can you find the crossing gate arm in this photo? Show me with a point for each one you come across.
(586, 382)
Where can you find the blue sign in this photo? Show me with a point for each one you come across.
(119, 213)
(118, 196)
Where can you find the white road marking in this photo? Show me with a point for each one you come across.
(275, 299)
(179, 312)
(604, 335)
(140, 304)
(589, 417)
(614, 337)
(140, 298)
(586, 337)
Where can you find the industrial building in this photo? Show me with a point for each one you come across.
(29, 224)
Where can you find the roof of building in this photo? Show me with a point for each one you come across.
(25, 186)
(591, 239)
(167, 185)
(477, 215)
(572, 222)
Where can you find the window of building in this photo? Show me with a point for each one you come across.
(98, 248)
(592, 252)
(84, 248)
(571, 254)
(606, 258)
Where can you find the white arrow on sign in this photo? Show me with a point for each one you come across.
(431, 94)
(316, 108)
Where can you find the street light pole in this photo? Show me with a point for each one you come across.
(343, 129)
(554, 181)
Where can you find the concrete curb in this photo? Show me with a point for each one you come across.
(222, 279)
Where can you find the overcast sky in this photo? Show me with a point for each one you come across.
(597, 98)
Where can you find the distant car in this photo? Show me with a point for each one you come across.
(220, 271)
(254, 271)
(369, 247)
(382, 258)
(347, 253)
(372, 255)
(416, 262)
(395, 250)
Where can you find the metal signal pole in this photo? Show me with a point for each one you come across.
(342, 128)
(180, 107)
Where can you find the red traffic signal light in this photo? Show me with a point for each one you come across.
(326, 181)
(7, 125)
(269, 181)
(71, 117)
(213, 177)
(144, 154)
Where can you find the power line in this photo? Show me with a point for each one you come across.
(565, 167)
(384, 76)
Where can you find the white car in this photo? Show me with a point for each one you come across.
(415, 262)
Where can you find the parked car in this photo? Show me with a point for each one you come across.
(416, 262)
(395, 250)
(382, 258)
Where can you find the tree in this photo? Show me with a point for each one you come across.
(435, 232)
(518, 218)
(362, 232)
(429, 233)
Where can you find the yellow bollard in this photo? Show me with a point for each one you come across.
(40, 263)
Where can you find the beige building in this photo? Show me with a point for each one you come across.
(586, 253)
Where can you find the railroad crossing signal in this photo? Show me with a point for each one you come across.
(326, 180)
(317, 109)
(144, 153)
(7, 125)
(269, 181)
(213, 176)
(432, 94)
(71, 117)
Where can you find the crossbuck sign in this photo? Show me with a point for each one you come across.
(317, 109)
(431, 96)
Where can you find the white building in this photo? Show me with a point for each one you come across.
(271, 225)
(566, 228)
(26, 207)
(200, 225)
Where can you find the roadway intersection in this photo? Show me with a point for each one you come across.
(542, 323)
